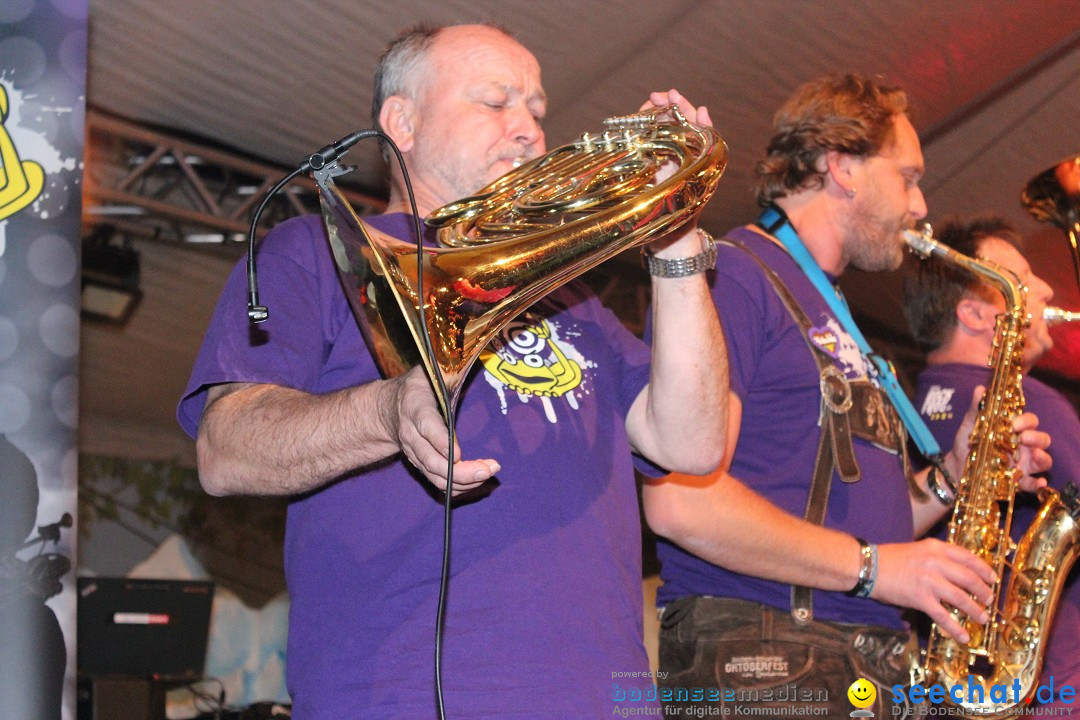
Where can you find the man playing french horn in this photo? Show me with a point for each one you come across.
(786, 571)
(544, 606)
(953, 317)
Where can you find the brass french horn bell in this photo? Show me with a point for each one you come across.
(532, 230)
(1054, 196)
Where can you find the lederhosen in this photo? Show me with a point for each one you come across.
(747, 650)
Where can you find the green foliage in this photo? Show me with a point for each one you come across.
(160, 493)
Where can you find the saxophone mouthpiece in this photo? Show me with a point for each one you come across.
(921, 240)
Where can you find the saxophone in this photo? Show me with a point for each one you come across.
(1008, 650)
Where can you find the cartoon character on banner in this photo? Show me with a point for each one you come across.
(21, 181)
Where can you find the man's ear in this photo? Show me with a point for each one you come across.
(398, 119)
(976, 316)
(840, 168)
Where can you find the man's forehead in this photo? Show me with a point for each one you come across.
(487, 58)
(903, 142)
(457, 46)
(1002, 252)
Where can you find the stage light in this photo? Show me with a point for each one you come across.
(110, 277)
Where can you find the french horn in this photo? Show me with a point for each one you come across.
(532, 230)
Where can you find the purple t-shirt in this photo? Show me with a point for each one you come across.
(777, 381)
(944, 395)
(545, 601)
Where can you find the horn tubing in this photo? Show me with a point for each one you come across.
(486, 273)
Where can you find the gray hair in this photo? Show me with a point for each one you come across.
(402, 66)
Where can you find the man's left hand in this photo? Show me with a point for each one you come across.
(684, 242)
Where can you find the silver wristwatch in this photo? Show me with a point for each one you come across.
(682, 267)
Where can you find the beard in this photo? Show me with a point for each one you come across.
(872, 239)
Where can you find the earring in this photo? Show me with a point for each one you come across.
(851, 192)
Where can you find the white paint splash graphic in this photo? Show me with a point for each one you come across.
(34, 145)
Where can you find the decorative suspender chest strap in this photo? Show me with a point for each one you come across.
(848, 408)
(775, 222)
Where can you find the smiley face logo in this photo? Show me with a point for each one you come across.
(862, 693)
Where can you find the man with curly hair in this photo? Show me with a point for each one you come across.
(792, 563)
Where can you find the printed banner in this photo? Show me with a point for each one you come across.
(42, 103)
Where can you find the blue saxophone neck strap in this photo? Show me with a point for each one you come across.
(776, 223)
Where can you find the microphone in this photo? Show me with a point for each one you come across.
(333, 151)
(51, 532)
(316, 161)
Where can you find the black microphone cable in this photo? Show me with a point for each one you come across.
(316, 161)
(258, 313)
(440, 387)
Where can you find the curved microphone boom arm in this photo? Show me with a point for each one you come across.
(316, 161)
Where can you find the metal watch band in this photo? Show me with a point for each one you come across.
(682, 267)
(937, 491)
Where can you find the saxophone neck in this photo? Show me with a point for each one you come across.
(923, 243)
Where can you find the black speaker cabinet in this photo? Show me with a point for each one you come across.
(105, 698)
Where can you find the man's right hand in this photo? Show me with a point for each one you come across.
(928, 574)
(413, 417)
(264, 439)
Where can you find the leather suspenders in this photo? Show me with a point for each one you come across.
(843, 404)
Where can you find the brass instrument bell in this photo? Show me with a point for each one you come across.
(516, 240)
(1054, 196)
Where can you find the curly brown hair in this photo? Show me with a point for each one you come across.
(848, 113)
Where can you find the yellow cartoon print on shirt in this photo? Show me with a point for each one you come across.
(21, 181)
(528, 358)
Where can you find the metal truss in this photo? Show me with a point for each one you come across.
(149, 184)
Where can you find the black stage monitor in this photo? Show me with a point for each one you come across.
(143, 628)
